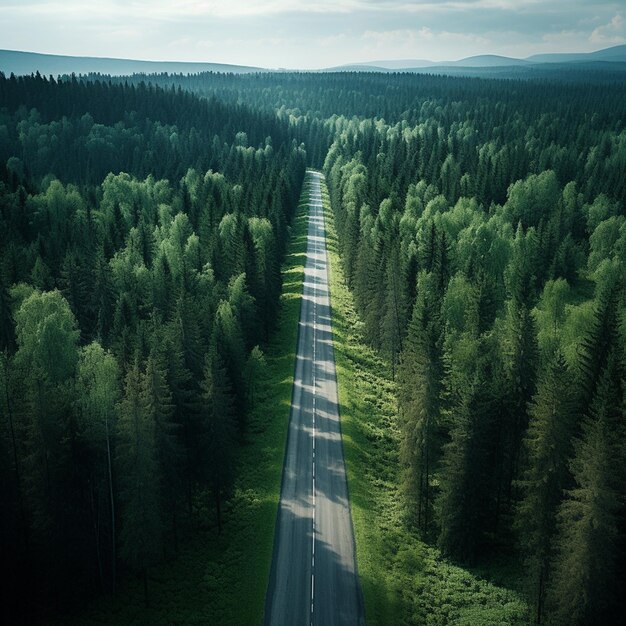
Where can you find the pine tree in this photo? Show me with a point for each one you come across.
(520, 348)
(393, 322)
(167, 446)
(228, 342)
(104, 299)
(255, 371)
(465, 502)
(186, 407)
(583, 585)
(218, 432)
(47, 356)
(600, 338)
(7, 324)
(97, 395)
(141, 516)
(548, 447)
(419, 388)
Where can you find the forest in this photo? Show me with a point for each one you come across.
(141, 250)
(482, 232)
(485, 247)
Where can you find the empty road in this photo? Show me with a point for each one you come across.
(313, 578)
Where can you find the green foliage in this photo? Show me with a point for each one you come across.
(141, 515)
(222, 578)
(218, 431)
(500, 284)
(47, 337)
(480, 228)
(548, 448)
(420, 408)
(583, 588)
(97, 395)
(550, 314)
(404, 580)
(110, 233)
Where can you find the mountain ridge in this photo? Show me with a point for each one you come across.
(26, 63)
(612, 54)
(22, 63)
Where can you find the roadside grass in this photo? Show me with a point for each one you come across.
(404, 580)
(222, 579)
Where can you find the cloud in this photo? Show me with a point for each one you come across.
(564, 37)
(612, 33)
(407, 36)
(309, 33)
(420, 42)
(181, 9)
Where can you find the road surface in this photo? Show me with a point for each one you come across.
(314, 579)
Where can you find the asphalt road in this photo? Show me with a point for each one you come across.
(313, 578)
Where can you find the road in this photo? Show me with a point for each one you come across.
(313, 580)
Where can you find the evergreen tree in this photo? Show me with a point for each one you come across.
(520, 348)
(465, 501)
(583, 586)
(393, 322)
(166, 441)
(97, 393)
(47, 356)
(228, 341)
(548, 449)
(256, 366)
(218, 432)
(138, 469)
(419, 389)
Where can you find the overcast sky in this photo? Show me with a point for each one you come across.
(300, 34)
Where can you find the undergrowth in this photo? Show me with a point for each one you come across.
(404, 580)
(222, 579)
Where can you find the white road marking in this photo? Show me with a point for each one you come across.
(313, 434)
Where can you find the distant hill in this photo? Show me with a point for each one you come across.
(607, 61)
(359, 67)
(21, 63)
(393, 65)
(487, 60)
(616, 54)
(591, 60)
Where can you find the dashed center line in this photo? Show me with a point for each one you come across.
(318, 244)
(315, 248)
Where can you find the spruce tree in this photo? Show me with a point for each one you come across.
(218, 432)
(138, 469)
(583, 584)
(168, 451)
(465, 503)
(547, 449)
(393, 321)
(97, 394)
(419, 388)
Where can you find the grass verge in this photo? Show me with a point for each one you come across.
(404, 581)
(222, 579)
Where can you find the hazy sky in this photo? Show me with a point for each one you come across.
(296, 33)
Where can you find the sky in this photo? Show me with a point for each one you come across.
(307, 35)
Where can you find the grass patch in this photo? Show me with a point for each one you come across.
(222, 579)
(404, 580)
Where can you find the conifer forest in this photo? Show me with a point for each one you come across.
(479, 226)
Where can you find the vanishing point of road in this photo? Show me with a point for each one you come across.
(314, 580)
